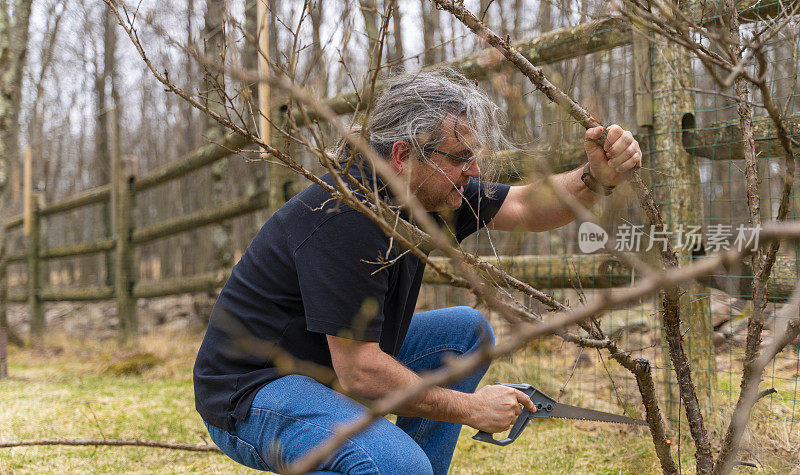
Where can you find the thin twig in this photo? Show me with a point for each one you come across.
(458, 368)
(669, 258)
(111, 442)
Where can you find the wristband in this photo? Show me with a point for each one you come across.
(593, 184)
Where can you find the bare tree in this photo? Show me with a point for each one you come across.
(431, 28)
(37, 109)
(215, 97)
(105, 130)
(397, 53)
(14, 20)
(320, 68)
(369, 12)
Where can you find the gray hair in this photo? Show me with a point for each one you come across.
(413, 106)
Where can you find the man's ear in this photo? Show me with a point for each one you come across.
(400, 154)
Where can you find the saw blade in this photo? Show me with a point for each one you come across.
(565, 411)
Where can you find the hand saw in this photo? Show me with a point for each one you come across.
(548, 407)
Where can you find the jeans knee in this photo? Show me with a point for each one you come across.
(482, 331)
(404, 457)
(420, 463)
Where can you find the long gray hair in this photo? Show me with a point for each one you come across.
(412, 107)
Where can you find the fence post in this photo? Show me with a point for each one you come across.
(124, 278)
(3, 353)
(642, 79)
(10, 334)
(35, 268)
(3, 295)
(109, 210)
(681, 202)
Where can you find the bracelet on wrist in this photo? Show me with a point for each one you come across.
(593, 184)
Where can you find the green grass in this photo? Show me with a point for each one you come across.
(73, 396)
(555, 446)
(66, 390)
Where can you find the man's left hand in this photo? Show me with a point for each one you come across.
(619, 154)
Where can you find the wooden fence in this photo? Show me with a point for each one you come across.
(540, 271)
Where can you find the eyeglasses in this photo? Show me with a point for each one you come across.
(467, 161)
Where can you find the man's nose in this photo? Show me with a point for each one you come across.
(472, 169)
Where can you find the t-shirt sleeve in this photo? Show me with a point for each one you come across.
(343, 279)
(481, 203)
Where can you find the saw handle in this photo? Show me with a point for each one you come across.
(544, 407)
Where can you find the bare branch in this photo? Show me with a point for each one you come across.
(112, 442)
(671, 315)
(525, 332)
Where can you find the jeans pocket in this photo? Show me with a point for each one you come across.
(237, 449)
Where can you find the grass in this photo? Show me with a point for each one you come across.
(556, 446)
(72, 389)
(61, 392)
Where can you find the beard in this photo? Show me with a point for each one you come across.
(449, 201)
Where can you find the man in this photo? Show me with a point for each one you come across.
(322, 288)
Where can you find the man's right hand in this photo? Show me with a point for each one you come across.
(496, 407)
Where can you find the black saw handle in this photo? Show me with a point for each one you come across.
(544, 407)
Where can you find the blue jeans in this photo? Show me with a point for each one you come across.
(292, 414)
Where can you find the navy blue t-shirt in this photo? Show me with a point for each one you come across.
(316, 268)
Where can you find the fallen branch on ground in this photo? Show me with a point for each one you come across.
(111, 442)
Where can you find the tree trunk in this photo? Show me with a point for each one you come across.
(259, 170)
(274, 45)
(214, 48)
(320, 68)
(189, 143)
(109, 76)
(518, 8)
(369, 11)
(38, 109)
(214, 98)
(13, 46)
(430, 25)
(397, 53)
(682, 204)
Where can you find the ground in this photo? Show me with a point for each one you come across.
(82, 388)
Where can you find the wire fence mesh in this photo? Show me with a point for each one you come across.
(706, 213)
